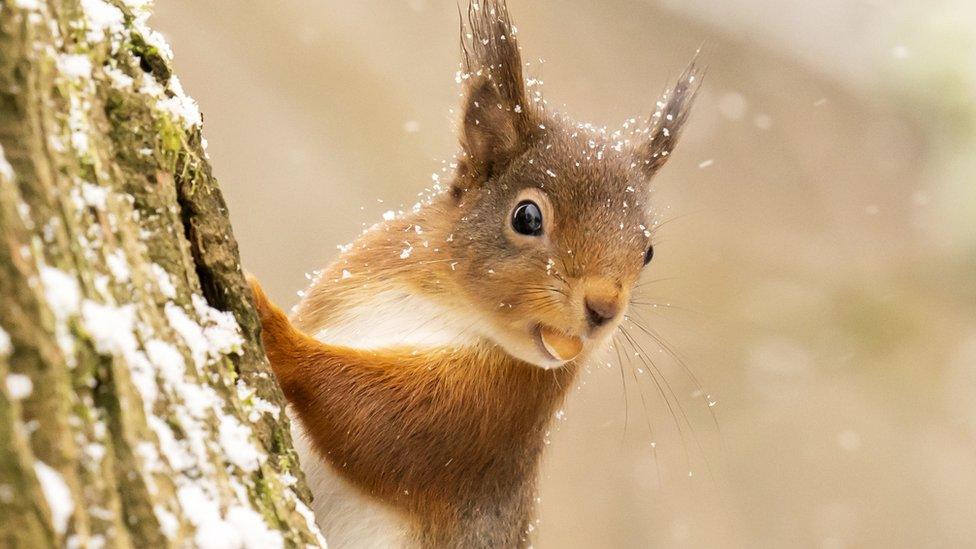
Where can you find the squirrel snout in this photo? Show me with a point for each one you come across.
(602, 302)
(599, 311)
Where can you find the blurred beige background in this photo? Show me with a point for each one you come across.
(820, 263)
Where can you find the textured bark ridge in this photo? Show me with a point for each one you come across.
(136, 405)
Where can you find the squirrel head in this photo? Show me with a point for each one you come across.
(545, 228)
(551, 221)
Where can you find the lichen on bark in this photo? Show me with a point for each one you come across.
(136, 405)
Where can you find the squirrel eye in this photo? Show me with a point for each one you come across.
(527, 218)
(648, 255)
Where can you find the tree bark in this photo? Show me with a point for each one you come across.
(136, 404)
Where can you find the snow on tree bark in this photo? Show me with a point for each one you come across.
(136, 405)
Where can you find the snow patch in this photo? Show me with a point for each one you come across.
(110, 328)
(198, 399)
(61, 292)
(102, 18)
(138, 5)
(94, 196)
(190, 331)
(182, 108)
(255, 405)
(120, 80)
(28, 4)
(118, 264)
(235, 439)
(181, 105)
(177, 457)
(57, 494)
(163, 280)
(168, 523)
(6, 170)
(155, 39)
(5, 346)
(220, 337)
(255, 533)
(63, 296)
(78, 122)
(168, 360)
(309, 517)
(74, 66)
(262, 406)
(243, 528)
(222, 332)
(19, 386)
(211, 530)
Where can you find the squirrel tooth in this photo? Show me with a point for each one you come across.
(559, 345)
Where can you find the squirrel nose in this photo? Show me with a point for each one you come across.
(602, 300)
(599, 311)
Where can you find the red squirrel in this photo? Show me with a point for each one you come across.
(423, 366)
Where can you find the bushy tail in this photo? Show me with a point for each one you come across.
(282, 341)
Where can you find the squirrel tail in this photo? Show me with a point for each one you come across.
(282, 341)
(267, 311)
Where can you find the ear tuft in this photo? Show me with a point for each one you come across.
(669, 119)
(497, 120)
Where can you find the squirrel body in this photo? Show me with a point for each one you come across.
(395, 316)
(423, 367)
(404, 443)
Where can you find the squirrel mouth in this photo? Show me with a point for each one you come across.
(560, 346)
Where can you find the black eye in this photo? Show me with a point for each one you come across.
(527, 218)
(648, 255)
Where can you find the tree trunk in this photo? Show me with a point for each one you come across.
(136, 404)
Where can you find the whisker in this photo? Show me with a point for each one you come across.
(647, 418)
(623, 382)
(561, 279)
(664, 306)
(654, 281)
(667, 401)
(658, 338)
(681, 410)
(657, 226)
(547, 289)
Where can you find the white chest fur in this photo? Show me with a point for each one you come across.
(397, 317)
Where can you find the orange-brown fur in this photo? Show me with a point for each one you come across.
(444, 436)
(449, 435)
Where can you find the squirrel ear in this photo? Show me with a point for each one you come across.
(669, 119)
(496, 122)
